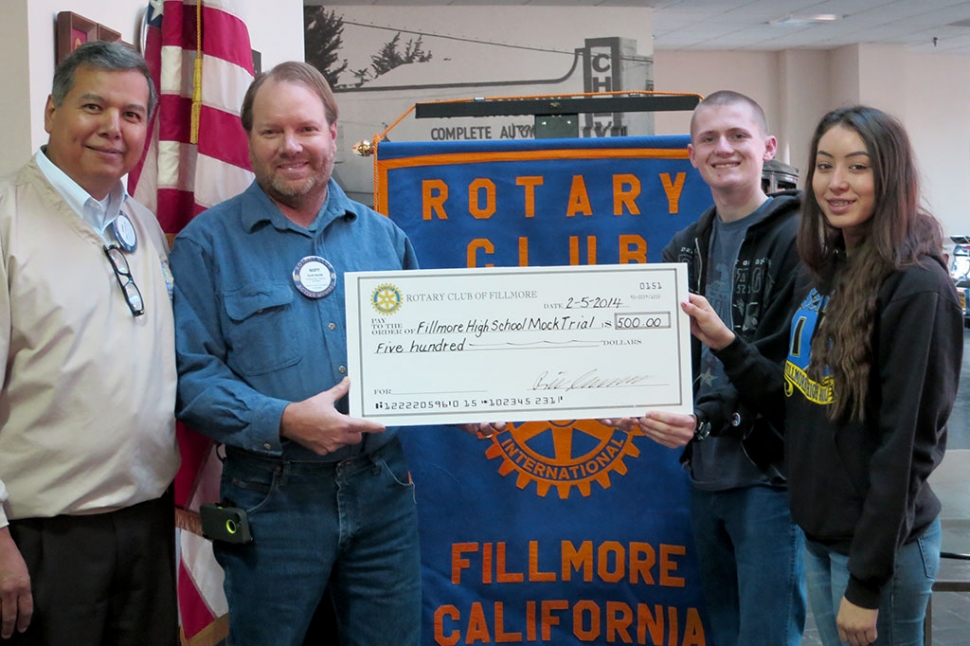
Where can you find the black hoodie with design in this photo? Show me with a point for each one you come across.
(861, 487)
(763, 282)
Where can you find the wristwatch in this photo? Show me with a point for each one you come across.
(702, 428)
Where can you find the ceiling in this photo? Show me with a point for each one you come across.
(924, 26)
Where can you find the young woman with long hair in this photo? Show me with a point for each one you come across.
(874, 360)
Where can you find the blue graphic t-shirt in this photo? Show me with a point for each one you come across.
(803, 326)
(718, 463)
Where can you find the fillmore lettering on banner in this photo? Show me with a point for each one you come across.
(561, 532)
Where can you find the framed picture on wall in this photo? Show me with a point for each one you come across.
(73, 30)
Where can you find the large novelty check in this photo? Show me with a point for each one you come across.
(518, 344)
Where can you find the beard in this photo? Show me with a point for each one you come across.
(286, 188)
(293, 193)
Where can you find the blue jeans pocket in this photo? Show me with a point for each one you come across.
(930, 543)
(401, 476)
(394, 466)
(247, 488)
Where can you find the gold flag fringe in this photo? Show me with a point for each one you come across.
(197, 77)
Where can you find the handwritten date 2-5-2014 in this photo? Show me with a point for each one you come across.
(589, 303)
(601, 302)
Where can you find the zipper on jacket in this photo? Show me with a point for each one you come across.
(699, 262)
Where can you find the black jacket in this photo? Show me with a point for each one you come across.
(763, 283)
(861, 487)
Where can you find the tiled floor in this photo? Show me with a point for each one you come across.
(951, 482)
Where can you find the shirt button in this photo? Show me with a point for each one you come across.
(332, 326)
(268, 446)
(342, 369)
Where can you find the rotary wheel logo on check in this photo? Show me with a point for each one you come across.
(386, 299)
(563, 454)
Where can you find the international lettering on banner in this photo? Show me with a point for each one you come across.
(169, 181)
(568, 531)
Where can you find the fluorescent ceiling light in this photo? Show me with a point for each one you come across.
(805, 19)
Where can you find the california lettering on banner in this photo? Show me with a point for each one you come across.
(560, 532)
(617, 621)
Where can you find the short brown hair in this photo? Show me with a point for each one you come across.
(291, 72)
(729, 97)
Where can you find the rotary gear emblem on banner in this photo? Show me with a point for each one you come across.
(562, 454)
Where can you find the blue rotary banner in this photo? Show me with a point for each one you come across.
(560, 532)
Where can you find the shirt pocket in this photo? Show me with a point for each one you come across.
(257, 332)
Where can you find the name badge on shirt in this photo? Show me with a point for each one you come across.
(124, 232)
(314, 277)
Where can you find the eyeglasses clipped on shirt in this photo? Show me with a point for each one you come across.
(123, 274)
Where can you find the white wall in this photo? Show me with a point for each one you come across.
(752, 73)
(844, 76)
(882, 77)
(937, 117)
(14, 135)
(276, 30)
(27, 43)
(804, 96)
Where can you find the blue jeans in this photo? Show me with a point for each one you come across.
(904, 599)
(751, 566)
(351, 524)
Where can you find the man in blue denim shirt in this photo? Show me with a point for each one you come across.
(261, 351)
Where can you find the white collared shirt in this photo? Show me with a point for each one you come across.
(98, 214)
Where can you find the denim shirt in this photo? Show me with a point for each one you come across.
(248, 342)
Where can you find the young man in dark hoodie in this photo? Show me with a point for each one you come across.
(741, 255)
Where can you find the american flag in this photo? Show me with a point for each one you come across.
(193, 162)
